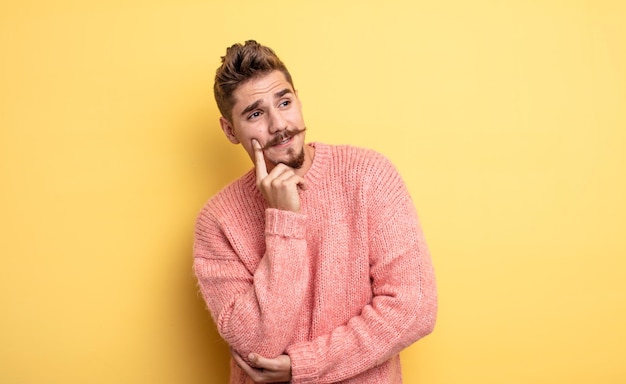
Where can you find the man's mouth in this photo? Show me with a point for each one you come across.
(285, 140)
(282, 138)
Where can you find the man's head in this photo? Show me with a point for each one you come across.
(240, 64)
(256, 97)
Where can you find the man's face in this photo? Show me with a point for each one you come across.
(267, 109)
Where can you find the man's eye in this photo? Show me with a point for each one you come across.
(254, 115)
(285, 103)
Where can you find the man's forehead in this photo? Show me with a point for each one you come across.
(268, 84)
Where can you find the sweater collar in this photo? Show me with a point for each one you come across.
(320, 163)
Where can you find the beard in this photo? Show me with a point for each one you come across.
(296, 161)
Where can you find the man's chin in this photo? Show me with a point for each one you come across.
(295, 162)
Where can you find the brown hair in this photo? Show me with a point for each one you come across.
(240, 64)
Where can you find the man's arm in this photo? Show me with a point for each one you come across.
(352, 349)
(254, 311)
(257, 312)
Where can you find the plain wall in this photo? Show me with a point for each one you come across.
(506, 119)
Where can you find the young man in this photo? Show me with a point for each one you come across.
(313, 264)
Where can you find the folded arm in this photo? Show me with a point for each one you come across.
(255, 311)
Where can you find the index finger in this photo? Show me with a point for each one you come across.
(259, 161)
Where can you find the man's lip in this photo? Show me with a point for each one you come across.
(281, 143)
(286, 140)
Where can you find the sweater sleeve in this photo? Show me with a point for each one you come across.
(404, 303)
(255, 311)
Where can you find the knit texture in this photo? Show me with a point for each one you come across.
(341, 287)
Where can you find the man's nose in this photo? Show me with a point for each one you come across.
(277, 122)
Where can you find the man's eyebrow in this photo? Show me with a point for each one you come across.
(282, 93)
(251, 107)
(256, 104)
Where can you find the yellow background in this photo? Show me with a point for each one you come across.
(507, 120)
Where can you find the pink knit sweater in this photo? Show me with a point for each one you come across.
(341, 287)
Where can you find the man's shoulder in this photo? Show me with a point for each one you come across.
(355, 157)
(351, 151)
(234, 195)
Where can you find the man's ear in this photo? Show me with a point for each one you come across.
(228, 129)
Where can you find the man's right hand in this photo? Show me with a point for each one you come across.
(280, 185)
(264, 370)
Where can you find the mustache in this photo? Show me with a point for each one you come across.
(281, 136)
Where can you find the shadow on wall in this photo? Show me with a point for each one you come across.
(210, 353)
(215, 162)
